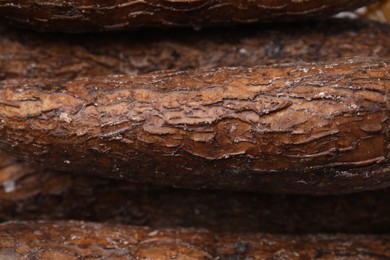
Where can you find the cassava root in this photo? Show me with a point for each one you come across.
(62, 56)
(28, 193)
(80, 240)
(310, 128)
(92, 15)
(30, 55)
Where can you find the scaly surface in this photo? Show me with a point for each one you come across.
(27, 55)
(309, 128)
(92, 15)
(82, 240)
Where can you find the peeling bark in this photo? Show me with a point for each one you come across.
(27, 193)
(28, 55)
(81, 240)
(309, 128)
(88, 15)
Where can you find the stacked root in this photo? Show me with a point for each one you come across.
(297, 108)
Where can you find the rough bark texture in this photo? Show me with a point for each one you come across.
(81, 240)
(31, 194)
(28, 55)
(92, 15)
(309, 128)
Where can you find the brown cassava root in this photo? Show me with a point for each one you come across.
(92, 15)
(309, 128)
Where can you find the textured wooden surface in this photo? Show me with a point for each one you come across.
(27, 193)
(92, 15)
(81, 240)
(309, 128)
(30, 55)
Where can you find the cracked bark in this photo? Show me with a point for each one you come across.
(79, 240)
(309, 128)
(62, 56)
(88, 15)
(32, 194)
